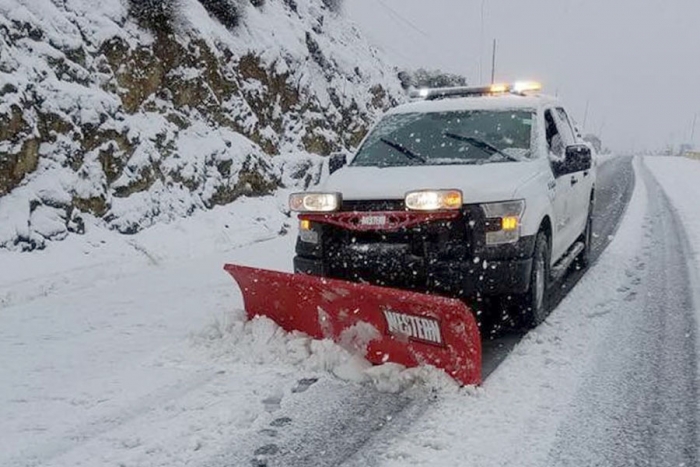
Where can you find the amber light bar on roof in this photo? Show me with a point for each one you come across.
(519, 87)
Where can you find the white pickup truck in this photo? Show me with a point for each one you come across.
(473, 192)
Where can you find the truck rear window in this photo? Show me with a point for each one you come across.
(444, 138)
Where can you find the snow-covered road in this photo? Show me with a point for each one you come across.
(134, 352)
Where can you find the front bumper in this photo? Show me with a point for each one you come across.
(454, 278)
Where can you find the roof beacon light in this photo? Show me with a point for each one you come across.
(521, 87)
(499, 88)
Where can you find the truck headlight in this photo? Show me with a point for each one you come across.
(433, 200)
(314, 202)
(503, 221)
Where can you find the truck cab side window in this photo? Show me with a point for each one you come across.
(554, 140)
(567, 129)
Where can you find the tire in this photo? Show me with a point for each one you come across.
(533, 306)
(584, 258)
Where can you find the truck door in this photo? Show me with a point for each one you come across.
(581, 180)
(562, 235)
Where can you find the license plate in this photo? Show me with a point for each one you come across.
(374, 221)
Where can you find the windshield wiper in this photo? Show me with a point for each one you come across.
(488, 147)
(403, 150)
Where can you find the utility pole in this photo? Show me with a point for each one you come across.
(493, 63)
(692, 131)
(585, 114)
(481, 44)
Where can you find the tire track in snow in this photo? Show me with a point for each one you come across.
(321, 424)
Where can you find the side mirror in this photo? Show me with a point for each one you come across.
(337, 161)
(577, 158)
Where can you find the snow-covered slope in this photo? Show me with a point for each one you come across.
(103, 119)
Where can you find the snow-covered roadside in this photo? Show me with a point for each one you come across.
(680, 179)
(95, 336)
(103, 255)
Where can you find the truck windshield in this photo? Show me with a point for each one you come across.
(444, 138)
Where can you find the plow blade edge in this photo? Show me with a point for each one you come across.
(382, 324)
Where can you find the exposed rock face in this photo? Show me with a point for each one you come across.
(100, 117)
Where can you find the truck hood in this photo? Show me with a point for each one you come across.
(479, 183)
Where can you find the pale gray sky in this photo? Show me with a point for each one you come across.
(636, 62)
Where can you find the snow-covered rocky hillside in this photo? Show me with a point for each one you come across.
(106, 119)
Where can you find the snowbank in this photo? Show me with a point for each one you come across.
(680, 179)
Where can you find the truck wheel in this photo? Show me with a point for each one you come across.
(584, 258)
(533, 305)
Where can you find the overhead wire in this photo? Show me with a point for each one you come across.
(401, 18)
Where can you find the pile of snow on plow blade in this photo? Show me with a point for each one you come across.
(382, 324)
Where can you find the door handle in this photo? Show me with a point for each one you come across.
(574, 181)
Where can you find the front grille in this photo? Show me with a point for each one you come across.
(432, 240)
(374, 205)
(409, 257)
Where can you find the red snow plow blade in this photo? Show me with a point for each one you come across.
(383, 324)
